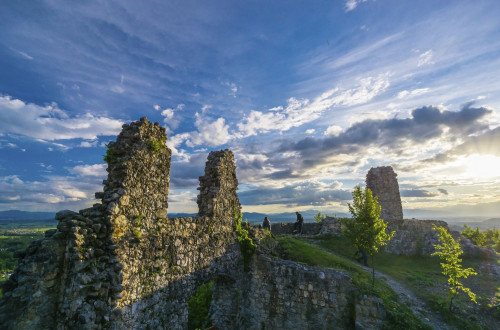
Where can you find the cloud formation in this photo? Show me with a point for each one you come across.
(301, 111)
(304, 193)
(51, 123)
(425, 124)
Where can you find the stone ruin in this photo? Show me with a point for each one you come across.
(123, 264)
(383, 183)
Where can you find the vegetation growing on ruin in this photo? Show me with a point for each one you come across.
(490, 237)
(366, 230)
(110, 156)
(199, 306)
(157, 145)
(449, 252)
(319, 217)
(247, 246)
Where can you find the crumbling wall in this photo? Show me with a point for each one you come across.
(123, 263)
(287, 228)
(383, 183)
(416, 237)
(218, 186)
(280, 294)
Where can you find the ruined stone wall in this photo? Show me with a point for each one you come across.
(383, 183)
(416, 237)
(286, 228)
(122, 263)
(280, 294)
(218, 186)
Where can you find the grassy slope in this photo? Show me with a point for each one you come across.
(398, 315)
(422, 274)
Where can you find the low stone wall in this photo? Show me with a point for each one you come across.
(286, 228)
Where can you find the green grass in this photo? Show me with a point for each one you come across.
(422, 275)
(399, 316)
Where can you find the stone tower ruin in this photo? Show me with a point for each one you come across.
(383, 183)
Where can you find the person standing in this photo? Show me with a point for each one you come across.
(299, 223)
(266, 224)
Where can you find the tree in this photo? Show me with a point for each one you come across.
(449, 251)
(319, 217)
(366, 230)
(475, 236)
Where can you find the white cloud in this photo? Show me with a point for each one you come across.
(168, 117)
(211, 133)
(117, 89)
(425, 58)
(310, 131)
(415, 92)
(333, 130)
(299, 112)
(98, 170)
(352, 4)
(68, 192)
(88, 144)
(25, 55)
(51, 123)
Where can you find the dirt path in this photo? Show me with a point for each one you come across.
(406, 296)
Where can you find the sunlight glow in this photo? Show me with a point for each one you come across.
(481, 166)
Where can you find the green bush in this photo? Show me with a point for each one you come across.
(198, 307)
(319, 217)
(157, 145)
(110, 156)
(247, 246)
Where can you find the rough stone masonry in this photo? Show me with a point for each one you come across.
(383, 183)
(123, 264)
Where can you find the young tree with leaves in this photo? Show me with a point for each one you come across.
(366, 230)
(319, 217)
(449, 251)
(475, 236)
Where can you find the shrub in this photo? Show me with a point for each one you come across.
(247, 246)
(198, 307)
(110, 156)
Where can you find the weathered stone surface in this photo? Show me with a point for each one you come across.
(383, 183)
(286, 228)
(280, 294)
(122, 263)
(218, 186)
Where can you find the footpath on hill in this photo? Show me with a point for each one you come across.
(406, 296)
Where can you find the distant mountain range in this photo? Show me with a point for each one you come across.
(252, 217)
(482, 225)
(16, 215)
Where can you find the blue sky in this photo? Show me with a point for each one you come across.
(308, 94)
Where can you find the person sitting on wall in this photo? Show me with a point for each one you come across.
(266, 224)
(297, 228)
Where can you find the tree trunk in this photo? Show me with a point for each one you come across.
(373, 272)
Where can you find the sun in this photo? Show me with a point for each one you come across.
(482, 166)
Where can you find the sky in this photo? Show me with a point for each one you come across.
(309, 95)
